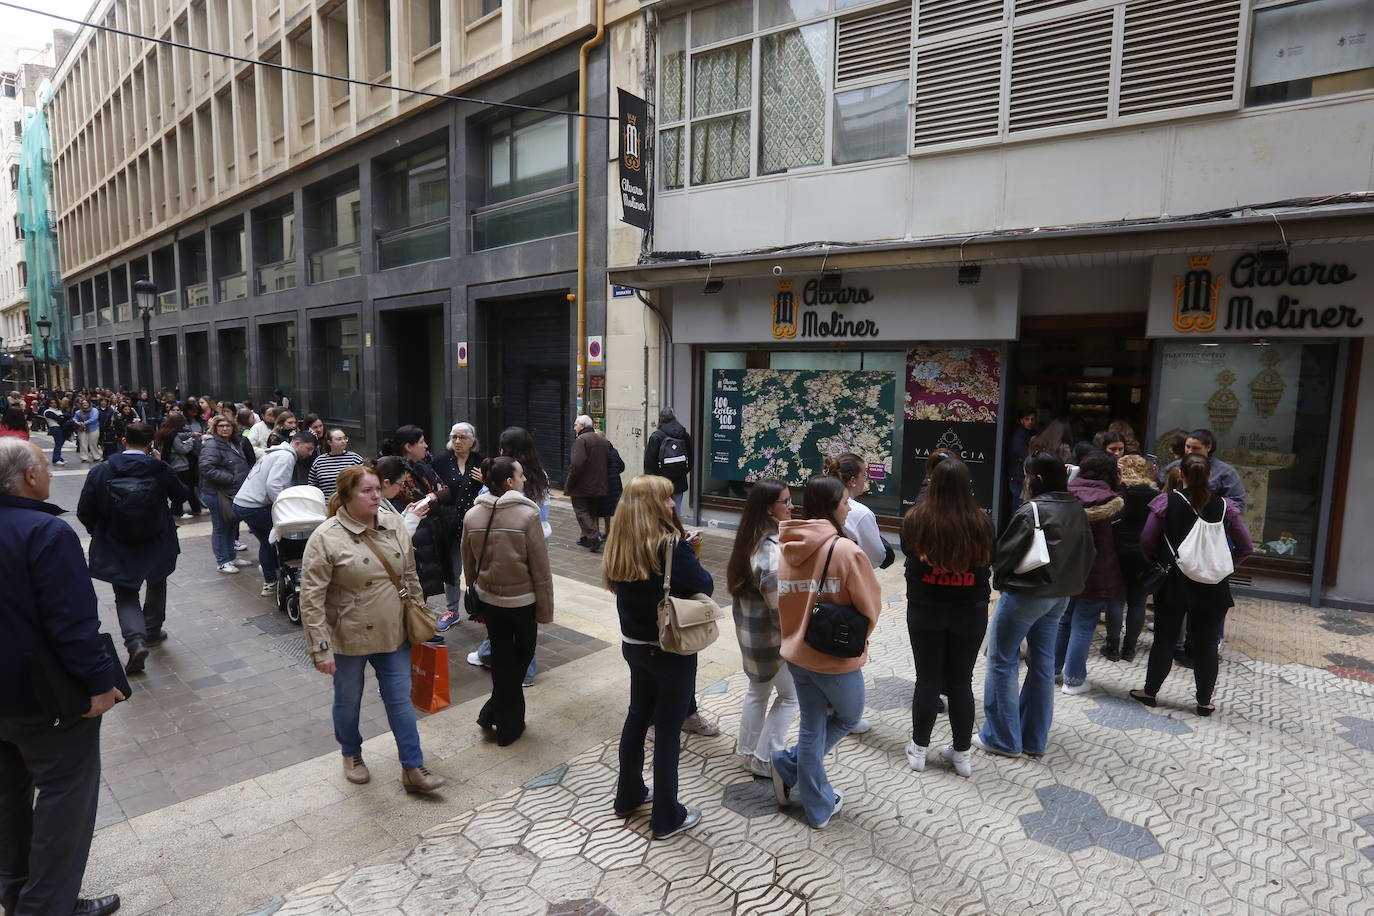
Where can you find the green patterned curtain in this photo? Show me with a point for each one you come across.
(38, 220)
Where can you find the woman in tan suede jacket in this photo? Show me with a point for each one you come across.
(353, 617)
(513, 581)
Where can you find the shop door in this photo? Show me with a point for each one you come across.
(413, 343)
(530, 383)
(1089, 369)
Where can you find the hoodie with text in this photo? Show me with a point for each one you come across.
(849, 580)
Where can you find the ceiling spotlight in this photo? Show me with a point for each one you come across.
(713, 286)
(832, 281)
(969, 274)
(1273, 258)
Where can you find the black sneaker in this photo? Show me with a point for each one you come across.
(1111, 653)
(648, 797)
(158, 638)
(138, 654)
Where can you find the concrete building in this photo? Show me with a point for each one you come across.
(381, 257)
(19, 84)
(1157, 212)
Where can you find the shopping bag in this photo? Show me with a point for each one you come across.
(429, 677)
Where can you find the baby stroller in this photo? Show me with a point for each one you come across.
(296, 514)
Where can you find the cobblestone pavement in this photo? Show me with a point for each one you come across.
(1267, 807)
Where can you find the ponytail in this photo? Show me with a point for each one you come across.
(1197, 480)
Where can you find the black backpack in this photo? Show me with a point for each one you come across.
(135, 508)
(672, 456)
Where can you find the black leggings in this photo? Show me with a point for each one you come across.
(1204, 632)
(188, 478)
(944, 665)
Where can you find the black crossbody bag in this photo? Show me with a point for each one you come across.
(472, 602)
(832, 628)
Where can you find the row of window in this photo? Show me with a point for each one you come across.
(530, 192)
(758, 87)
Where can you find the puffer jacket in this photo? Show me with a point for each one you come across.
(222, 468)
(515, 566)
(348, 603)
(1070, 541)
(1102, 505)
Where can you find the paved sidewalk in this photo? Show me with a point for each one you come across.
(1267, 807)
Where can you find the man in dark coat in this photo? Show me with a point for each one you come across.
(125, 507)
(668, 453)
(587, 480)
(1018, 449)
(49, 610)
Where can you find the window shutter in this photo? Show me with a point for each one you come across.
(958, 91)
(1176, 54)
(875, 45)
(1027, 7)
(948, 15)
(1061, 72)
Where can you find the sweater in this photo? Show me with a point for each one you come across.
(850, 580)
(637, 602)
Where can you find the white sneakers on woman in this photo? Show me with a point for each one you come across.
(959, 760)
(916, 756)
(228, 568)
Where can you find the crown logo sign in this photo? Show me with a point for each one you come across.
(1200, 262)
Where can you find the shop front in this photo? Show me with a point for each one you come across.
(1264, 351)
(890, 365)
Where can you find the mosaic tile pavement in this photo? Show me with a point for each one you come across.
(1266, 807)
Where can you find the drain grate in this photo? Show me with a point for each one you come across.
(274, 624)
(293, 648)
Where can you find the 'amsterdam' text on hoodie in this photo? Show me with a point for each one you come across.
(850, 580)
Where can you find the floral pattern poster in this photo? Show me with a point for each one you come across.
(779, 423)
(953, 384)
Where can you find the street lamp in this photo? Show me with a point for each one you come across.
(45, 331)
(145, 294)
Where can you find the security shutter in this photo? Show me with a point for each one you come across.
(958, 89)
(534, 387)
(1061, 72)
(937, 16)
(1176, 54)
(874, 45)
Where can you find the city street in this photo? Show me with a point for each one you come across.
(223, 792)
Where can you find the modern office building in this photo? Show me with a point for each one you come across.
(382, 257)
(892, 227)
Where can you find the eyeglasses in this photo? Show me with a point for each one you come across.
(785, 502)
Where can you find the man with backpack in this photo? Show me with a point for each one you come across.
(669, 454)
(125, 505)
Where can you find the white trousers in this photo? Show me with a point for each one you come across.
(763, 730)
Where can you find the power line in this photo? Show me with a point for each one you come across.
(312, 73)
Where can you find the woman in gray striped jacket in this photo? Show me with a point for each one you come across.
(752, 576)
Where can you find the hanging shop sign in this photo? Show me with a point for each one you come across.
(634, 175)
(952, 397)
(863, 307)
(1320, 291)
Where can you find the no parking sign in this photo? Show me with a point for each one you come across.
(462, 354)
(595, 352)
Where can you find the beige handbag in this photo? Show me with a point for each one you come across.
(685, 625)
(420, 622)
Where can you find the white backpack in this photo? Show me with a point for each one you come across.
(1205, 554)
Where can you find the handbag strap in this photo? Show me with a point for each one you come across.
(391, 573)
(669, 546)
(1035, 511)
(486, 536)
(825, 568)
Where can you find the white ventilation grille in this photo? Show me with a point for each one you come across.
(1176, 54)
(958, 91)
(1027, 7)
(1061, 72)
(874, 45)
(938, 16)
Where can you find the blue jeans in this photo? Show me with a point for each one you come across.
(393, 683)
(1075, 638)
(803, 765)
(453, 594)
(259, 521)
(59, 439)
(484, 653)
(677, 502)
(222, 534)
(1016, 721)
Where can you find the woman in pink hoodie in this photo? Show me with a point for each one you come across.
(830, 689)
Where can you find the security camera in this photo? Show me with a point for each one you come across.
(777, 270)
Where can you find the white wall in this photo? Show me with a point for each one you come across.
(1355, 574)
(1256, 156)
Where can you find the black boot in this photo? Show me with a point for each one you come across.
(138, 654)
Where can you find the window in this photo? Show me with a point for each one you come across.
(377, 37)
(232, 280)
(274, 237)
(334, 231)
(1313, 48)
(338, 375)
(426, 27)
(413, 207)
(829, 91)
(531, 191)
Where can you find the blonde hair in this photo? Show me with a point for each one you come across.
(1135, 471)
(349, 480)
(642, 521)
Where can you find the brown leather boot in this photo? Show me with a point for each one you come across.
(419, 779)
(355, 771)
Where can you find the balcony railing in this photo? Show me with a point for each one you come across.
(197, 295)
(234, 286)
(168, 301)
(336, 263)
(273, 278)
(426, 242)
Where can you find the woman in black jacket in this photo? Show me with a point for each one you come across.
(1126, 615)
(460, 469)
(662, 684)
(432, 560)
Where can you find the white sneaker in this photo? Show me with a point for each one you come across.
(228, 569)
(1074, 690)
(475, 660)
(755, 765)
(240, 561)
(697, 724)
(239, 545)
(187, 515)
(978, 743)
(839, 806)
(958, 759)
(863, 726)
(916, 756)
(269, 588)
